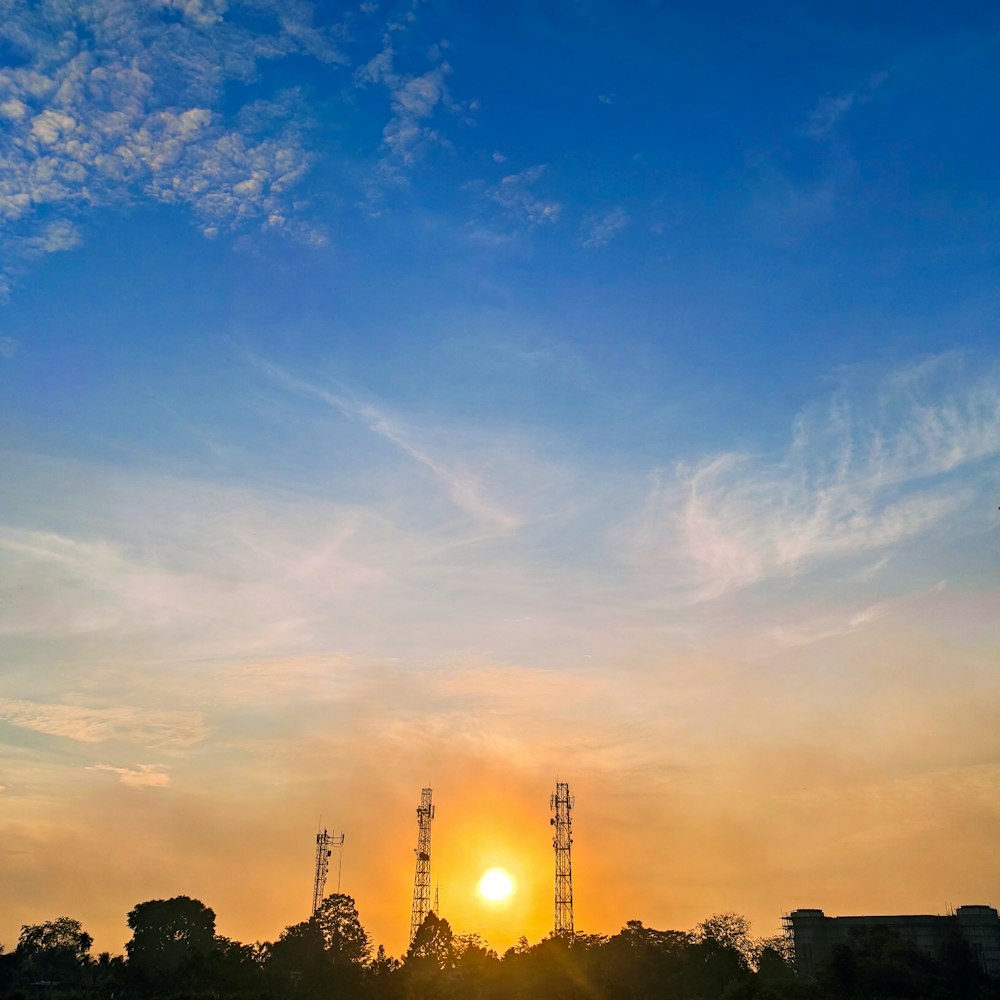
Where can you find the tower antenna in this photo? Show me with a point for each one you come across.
(562, 805)
(325, 844)
(422, 876)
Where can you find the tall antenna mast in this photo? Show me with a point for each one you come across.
(422, 876)
(562, 805)
(325, 843)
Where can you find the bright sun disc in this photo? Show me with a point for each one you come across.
(495, 885)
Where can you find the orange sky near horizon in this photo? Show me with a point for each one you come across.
(701, 786)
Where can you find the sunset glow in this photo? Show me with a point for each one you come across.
(417, 393)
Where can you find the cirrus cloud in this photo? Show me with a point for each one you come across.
(81, 724)
(860, 475)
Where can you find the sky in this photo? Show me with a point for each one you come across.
(483, 396)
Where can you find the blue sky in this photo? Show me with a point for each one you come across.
(407, 393)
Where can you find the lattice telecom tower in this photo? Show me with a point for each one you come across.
(325, 843)
(562, 805)
(422, 877)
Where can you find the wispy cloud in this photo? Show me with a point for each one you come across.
(860, 476)
(829, 626)
(251, 578)
(598, 232)
(830, 110)
(140, 776)
(788, 206)
(147, 727)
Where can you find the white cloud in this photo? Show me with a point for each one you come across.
(414, 99)
(140, 776)
(113, 101)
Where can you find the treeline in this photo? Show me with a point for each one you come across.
(175, 953)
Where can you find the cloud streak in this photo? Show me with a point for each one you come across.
(140, 776)
(147, 727)
(463, 486)
(601, 231)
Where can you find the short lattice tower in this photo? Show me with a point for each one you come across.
(422, 876)
(326, 842)
(562, 806)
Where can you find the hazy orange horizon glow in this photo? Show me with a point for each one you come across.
(722, 798)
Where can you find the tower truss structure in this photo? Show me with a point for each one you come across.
(562, 807)
(326, 842)
(422, 875)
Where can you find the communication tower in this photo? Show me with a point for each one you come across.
(422, 876)
(562, 805)
(325, 844)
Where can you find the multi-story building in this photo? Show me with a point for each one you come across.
(814, 934)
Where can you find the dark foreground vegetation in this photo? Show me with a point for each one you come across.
(175, 953)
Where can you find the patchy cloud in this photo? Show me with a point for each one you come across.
(414, 100)
(517, 196)
(111, 100)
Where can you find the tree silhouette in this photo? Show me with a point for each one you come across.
(345, 941)
(730, 931)
(433, 945)
(56, 951)
(429, 966)
(170, 938)
(329, 949)
(174, 954)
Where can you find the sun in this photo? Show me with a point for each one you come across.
(496, 885)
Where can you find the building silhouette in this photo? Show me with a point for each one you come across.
(814, 934)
